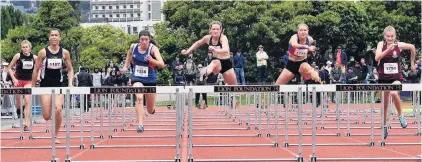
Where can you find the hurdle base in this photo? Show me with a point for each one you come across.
(55, 160)
(68, 160)
(82, 146)
(313, 159)
(299, 159)
(177, 159)
(286, 144)
(190, 160)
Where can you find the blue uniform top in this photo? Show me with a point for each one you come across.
(143, 71)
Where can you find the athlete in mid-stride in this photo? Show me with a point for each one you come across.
(145, 57)
(388, 56)
(299, 46)
(24, 61)
(51, 60)
(218, 46)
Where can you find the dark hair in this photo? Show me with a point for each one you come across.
(151, 38)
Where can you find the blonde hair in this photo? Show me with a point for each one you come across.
(389, 29)
(302, 24)
(26, 42)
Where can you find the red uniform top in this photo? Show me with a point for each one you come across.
(389, 67)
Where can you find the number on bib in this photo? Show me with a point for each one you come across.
(301, 52)
(54, 64)
(141, 71)
(391, 68)
(27, 64)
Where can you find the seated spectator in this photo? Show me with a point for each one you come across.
(190, 71)
(335, 75)
(112, 79)
(373, 77)
(179, 78)
(351, 77)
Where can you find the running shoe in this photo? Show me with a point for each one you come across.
(385, 132)
(403, 121)
(140, 129)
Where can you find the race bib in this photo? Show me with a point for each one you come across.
(141, 71)
(27, 64)
(54, 64)
(301, 52)
(391, 68)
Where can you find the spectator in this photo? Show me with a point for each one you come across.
(111, 80)
(324, 74)
(208, 59)
(364, 70)
(261, 61)
(405, 71)
(97, 78)
(239, 64)
(316, 58)
(335, 75)
(190, 71)
(85, 80)
(341, 59)
(373, 77)
(177, 66)
(351, 77)
(358, 71)
(329, 67)
(351, 62)
(200, 80)
(329, 54)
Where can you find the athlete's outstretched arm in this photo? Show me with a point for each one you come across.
(158, 61)
(9, 69)
(69, 66)
(196, 45)
(379, 54)
(411, 47)
(38, 64)
(225, 46)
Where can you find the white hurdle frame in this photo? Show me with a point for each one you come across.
(181, 105)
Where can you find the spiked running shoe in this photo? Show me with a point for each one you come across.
(140, 129)
(403, 121)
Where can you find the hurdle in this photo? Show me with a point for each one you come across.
(242, 89)
(274, 110)
(371, 89)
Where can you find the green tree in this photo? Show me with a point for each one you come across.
(11, 18)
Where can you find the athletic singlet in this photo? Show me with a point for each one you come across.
(53, 65)
(25, 66)
(389, 67)
(299, 52)
(218, 46)
(143, 71)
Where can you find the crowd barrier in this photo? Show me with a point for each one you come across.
(277, 103)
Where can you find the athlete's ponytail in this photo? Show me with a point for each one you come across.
(151, 38)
